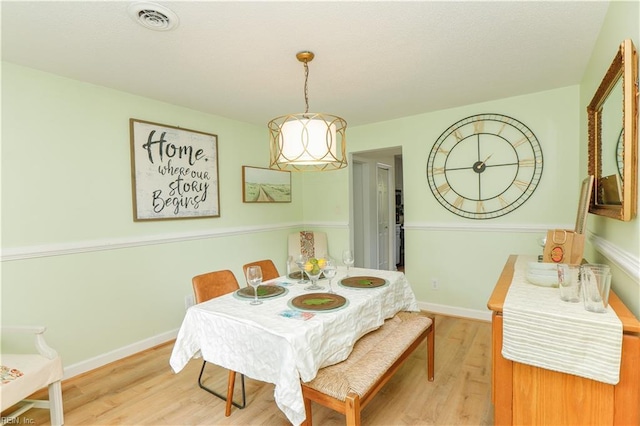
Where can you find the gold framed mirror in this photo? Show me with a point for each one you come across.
(613, 138)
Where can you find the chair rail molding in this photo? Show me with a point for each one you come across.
(326, 225)
(485, 227)
(626, 261)
(62, 249)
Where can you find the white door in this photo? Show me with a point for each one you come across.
(360, 214)
(382, 197)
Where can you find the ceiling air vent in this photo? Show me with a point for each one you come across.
(153, 16)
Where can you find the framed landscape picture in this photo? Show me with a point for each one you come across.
(265, 185)
(174, 172)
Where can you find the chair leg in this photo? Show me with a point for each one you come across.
(307, 410)
(222, 397)
(352, 409)
(230, 385)
(55, 404)
(431, 351)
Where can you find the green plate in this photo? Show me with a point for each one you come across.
(363, 282)
(318, 302)
(264, 292)
(296, 275)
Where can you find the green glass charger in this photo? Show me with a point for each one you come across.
(264, 291)
(318, 302)
(363, 282)
(297, 275)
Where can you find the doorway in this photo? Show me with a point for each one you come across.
(376, 178)
(383, 183)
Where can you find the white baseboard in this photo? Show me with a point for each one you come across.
(455, 311)
(117, 354)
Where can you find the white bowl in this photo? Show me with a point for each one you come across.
(544, 280)
(542, 272)
(542, 266)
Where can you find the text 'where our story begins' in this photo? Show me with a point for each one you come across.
(183, 179)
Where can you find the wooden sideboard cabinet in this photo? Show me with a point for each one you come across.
(524, 395)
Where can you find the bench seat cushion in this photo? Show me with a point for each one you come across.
(38, 372)
(371, 357)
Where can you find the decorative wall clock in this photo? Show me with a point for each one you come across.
(484, 166)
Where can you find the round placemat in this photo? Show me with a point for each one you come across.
(264, 291)
(363, 282)
(297, 275)
(318, 302)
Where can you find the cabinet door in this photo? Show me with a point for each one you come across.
(547, 397)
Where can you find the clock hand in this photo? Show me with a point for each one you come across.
(479, 166)
(485, 160)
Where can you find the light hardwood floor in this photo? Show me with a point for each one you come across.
(143, 390)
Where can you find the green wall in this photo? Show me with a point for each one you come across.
(73, 258)
(466, 255)
(622, 22)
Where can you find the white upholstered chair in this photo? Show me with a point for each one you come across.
(309, 243)
(24, 374)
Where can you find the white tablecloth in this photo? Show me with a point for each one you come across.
(261, 343)
(541, 330)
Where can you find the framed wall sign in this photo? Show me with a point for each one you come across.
(174, 172)
(265, 185)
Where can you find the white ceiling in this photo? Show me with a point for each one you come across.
(375, 60)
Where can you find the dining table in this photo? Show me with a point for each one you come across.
(294, 332)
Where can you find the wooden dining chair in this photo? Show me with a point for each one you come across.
(269, 270)
(206, 287)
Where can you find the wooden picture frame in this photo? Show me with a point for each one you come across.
(615, 102)
(261, 185)
(174, 172)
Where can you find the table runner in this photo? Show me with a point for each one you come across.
(541, 330)
(226, 330)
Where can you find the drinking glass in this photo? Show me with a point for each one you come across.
(329, 271)
(596, 283)
(542, 241)
(301, 260)
(347, 259)
(290, 261)
(254, 278)
(569, 282)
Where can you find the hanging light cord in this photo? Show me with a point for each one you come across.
(306, 89)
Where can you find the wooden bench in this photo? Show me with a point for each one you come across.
(347, 387)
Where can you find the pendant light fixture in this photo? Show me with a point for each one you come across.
(308, 141)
